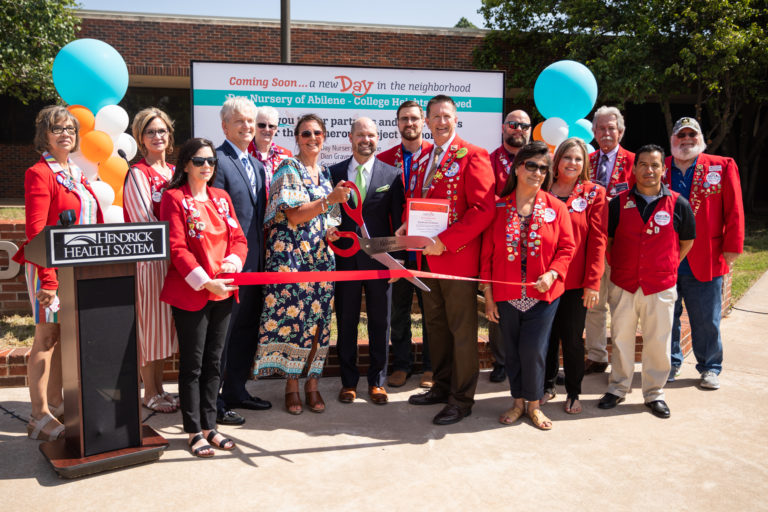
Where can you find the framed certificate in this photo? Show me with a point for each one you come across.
(427, 217)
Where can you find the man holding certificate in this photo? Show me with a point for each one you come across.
(452, 203)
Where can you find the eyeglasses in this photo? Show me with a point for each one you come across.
(406, 119)
(515, 125)
(307, 133)
(162, 132)
(265, 125)
(58, 130)
(682, 135)
(198, 161)
(534, 167)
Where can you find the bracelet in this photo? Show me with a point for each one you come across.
(324, 203)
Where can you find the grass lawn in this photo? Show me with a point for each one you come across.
(11, 213)
(754, 262)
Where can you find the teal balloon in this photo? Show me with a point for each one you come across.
(581, 129)
(91, 73)
(566, 89)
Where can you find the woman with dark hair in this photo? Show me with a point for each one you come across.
(587, 208)
(529, 240)
(144, 186)
(205, 241)
(51, 186)
(302, 211)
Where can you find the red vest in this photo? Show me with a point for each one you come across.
(645, 255)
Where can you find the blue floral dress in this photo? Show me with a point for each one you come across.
(293, 313)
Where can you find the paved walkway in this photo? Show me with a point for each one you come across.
(712, 454)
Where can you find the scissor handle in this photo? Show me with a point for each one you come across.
(357, 212)
(350, 251)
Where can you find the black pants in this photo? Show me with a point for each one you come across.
(201, 341)
(400, 325)
(568, 328)
(240, 349)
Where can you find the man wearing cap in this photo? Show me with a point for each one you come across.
(611, 167)
(711, 185)
(263, 146)
(515, 133)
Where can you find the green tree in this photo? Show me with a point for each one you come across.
(32, 32)
(464, 23)
(713, 53)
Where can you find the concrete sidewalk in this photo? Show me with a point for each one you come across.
(712, 454)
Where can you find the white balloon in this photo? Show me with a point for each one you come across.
(127, 144)
(113, 214)
(112, 119)
(90, 169)
(105, 195)
(554, 131)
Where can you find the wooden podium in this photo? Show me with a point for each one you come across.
(100, 360)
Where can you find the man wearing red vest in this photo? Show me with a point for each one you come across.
(711, 185)
(650, 230)
(611, 167)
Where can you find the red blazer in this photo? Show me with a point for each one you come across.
(590, 233)
(187, 251)
(467, 181)
(501, 163)
(622, 170)
(555, 252)
(44, 200)
(717, 205)
(394, 157)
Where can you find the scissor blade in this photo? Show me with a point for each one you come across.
(393, 243)
(392, 264)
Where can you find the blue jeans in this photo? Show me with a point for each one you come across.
(703, 302)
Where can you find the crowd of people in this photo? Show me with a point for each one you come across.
(555, 241)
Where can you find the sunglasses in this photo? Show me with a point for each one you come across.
(151, 133)
(265, 125)
(534, 167)
(682, 135)
(515, 125)
(58, 130)
(198, 161)
(307, 133)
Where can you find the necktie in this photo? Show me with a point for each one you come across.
(602, 170)
(432, 169)
(360, 182)
(251, 174)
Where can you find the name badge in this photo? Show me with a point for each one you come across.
(662, 218)
(620, 187)
(715, 168)
(549, 215)
(579, 204)
(714, 177)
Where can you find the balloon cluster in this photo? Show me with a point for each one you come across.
(91, 76)
(564, 93)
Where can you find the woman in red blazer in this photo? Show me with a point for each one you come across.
(587, 207)
(205, 241)
(52, 186)
(530, 240)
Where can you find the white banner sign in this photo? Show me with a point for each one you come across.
(342, 94)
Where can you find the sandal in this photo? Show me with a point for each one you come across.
(205, 451)
(171, 398)
(159, 404)
(58, 412)
(572, 405)
(510, 416)
(315, 401)
(549, 394)
(539, 419)
(293, 402)
(36, 428)
(225, 443)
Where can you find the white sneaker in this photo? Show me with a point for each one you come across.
(709, 380)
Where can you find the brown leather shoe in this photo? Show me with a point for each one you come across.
(397, 379)
(347, 395)
(591, 366)
(426, 380)
(378, 395)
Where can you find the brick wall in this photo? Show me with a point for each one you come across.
(13, 292)
(15, 158)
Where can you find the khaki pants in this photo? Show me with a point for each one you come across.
(655, 313)
(595, 323)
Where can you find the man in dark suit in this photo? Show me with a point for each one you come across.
(242, 176)
(382, 204)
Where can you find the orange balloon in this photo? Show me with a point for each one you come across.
(97, 146)
(113, 171)
(551, 149)
(119, 197)
(84, 117)
(537, 132)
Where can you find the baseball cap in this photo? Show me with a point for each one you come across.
(686, 122)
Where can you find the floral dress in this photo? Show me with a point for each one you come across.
(293, 313)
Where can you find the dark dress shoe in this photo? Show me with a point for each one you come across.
(451, 414)
(591, 366)
(498, 374)
(658, 408)
(253, 403)
(378, 395)
(609, 401)
(229, 417)
(428, 398)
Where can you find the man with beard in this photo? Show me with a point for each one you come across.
(263, 146)
(381, 194)
(515, 132)
(611, 167)
(410, 157)
(711, 184)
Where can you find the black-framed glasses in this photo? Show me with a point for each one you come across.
(58, 130)
(682, 135)
(265, 125)
(534, 167)
(515, 125)
(308, 133)
(151, 133)
(198, 161)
